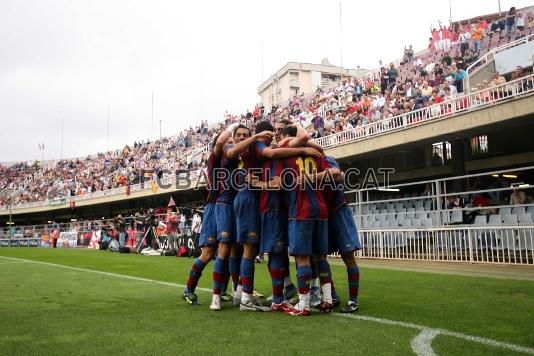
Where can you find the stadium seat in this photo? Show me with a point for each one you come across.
(505, 211)
(518, 210)
(427, 222)
(510, 219)
(421, 215)
(456, 217)
(525, 219)
(410, 213)
(495, 220)
(480, 220)
(445, 217)
(365, 222)
(374, 224)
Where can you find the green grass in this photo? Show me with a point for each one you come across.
(50, 310)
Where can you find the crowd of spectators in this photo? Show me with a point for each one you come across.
(419, 81)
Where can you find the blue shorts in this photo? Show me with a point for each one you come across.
(208, 231)
(308, 237)
(224, 216)
(247, 217)
(273, 232)
(342, 232)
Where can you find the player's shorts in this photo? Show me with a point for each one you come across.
(308, 237)
(208, 231)
(273, 232)
(342, 232)
(224, 216)
(247, 217)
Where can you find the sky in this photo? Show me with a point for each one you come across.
(68, 61)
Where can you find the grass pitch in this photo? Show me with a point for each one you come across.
(46, 309)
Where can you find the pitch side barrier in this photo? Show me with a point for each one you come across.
(426, 220)
(79, 234)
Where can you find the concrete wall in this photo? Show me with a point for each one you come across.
(483, 73)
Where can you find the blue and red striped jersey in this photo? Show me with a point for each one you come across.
(212, 164)
(334, 197)
(271, 199)
(223, 177)
(303, 202)
(249, 158)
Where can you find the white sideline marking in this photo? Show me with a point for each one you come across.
(428, 330)
(422, 343)
(11, 262)
(110, 274)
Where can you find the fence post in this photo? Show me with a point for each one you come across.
(470, 245)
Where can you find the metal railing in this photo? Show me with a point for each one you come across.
(503, 245)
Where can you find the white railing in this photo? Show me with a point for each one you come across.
(468, 102)
(490, 55)
(504, 245)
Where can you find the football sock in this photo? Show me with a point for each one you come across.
(194, 275)
(325, 274)
(218, 275)
(226, 278)
(277, 271)
(247, 275)
(304, 276)
(353, 275)
(235, 265)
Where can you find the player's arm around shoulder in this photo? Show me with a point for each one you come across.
(272, 184)
(237, 148)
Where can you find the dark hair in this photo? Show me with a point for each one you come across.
(283, 121)
(290, 131)
(242, 127)
(264, 126)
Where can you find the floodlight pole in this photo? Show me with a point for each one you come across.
(450, 12)
(108, 127)
(340, 45)
(10, 213)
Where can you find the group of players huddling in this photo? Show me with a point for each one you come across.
(276, 199)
